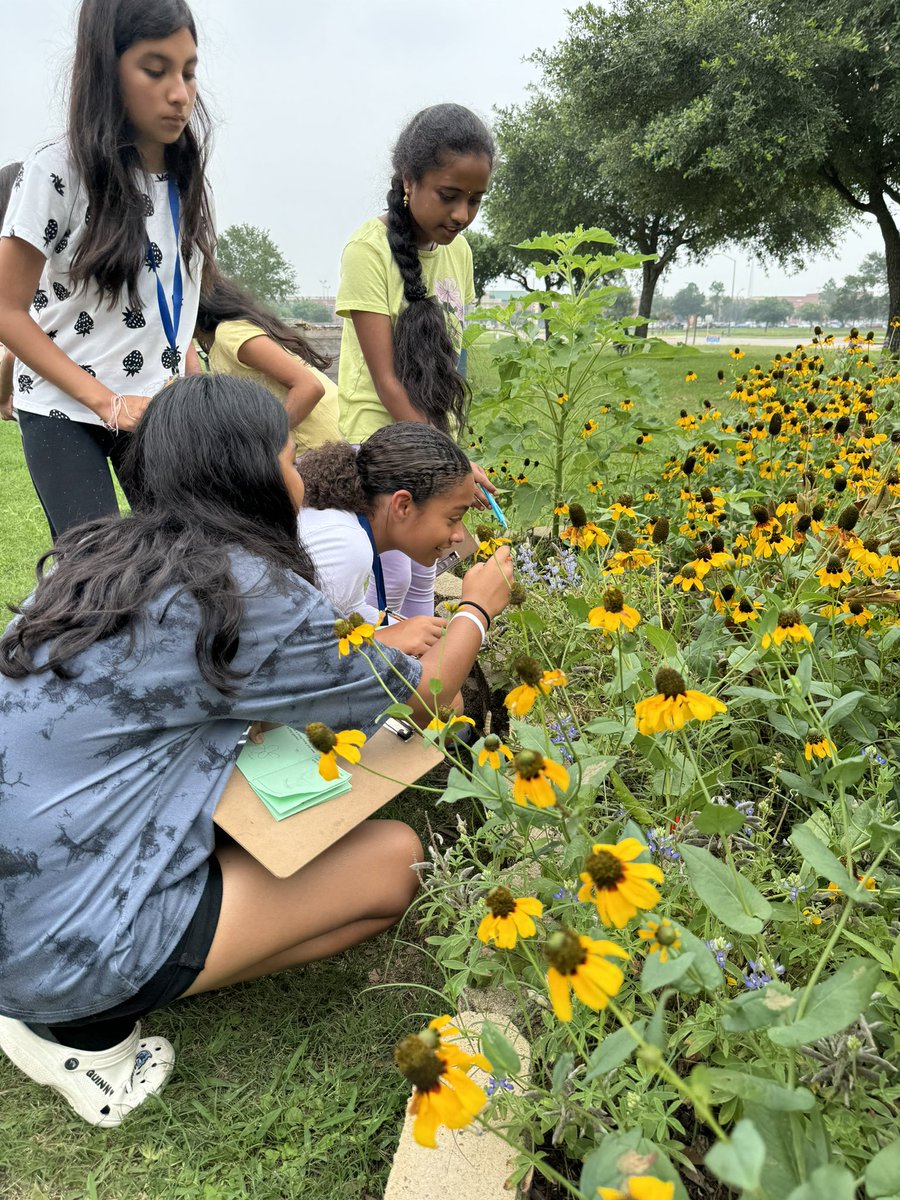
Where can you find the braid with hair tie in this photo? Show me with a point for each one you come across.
(403, 245)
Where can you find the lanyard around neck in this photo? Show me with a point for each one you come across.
(171, 319)
(377, 571)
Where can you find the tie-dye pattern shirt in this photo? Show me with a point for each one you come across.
(109, 781)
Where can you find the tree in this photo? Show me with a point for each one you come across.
(689, 301)
(771, 310)
(813, 312)
(716, 298)
(493, 259)
(308, 309)
(804, 100)
(578, 152)
(248, 255)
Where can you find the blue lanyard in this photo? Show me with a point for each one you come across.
(380, 593)
(171, 319)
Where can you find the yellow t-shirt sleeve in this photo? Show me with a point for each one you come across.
(364, 283)
(230, 336)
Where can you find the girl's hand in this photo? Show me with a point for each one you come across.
(414, 636)
(481, 481)
(257, 729)
(122, 417)
(488, 583)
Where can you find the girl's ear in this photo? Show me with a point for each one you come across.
(401, 505)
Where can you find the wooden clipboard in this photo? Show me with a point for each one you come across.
(283, 847)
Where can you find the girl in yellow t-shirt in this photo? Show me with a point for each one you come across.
(405, 280)
(245, 339)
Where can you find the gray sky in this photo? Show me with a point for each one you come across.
(308, 99)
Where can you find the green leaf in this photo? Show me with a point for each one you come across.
(883, 1172)
(656, 1027)
(842, 707)
(578, 607)
(758, 1010)
(661, 640)
(719, 818)
(727, 1082)
(658, 974)
(561, 1070)
(820, 858)
(727, 895)
(831, 1180)
(704, 966)
(615, 1049)
(397, 710)
(834, 1004)
(848, 771)
(499, 1051)
(739, 1162)
(613, 1159)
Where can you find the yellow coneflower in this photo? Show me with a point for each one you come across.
(588, 428)
(489, 545)
(690, 576)
(628, 560)
(329, 744)
(353, 631)
(834, 574)
(789, 626)
(746, 610)
(621, 508)
(491, 751)
(579, 964)
(447, 718)
(535, 682)
(536, 777)
(691, 377)
(662, 935)
(819, 745)
(674, 705)
(582, 532)
(443, 1093)
(737, 354)
(616, 885)
(509, 918)
(858, 614)
(613, 613)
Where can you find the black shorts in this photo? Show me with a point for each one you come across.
(183, 965)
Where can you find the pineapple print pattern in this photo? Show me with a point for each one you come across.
(133, 362)
(58, 186)
(60, 292)
(84, 324)
(51, 231)
(154, 257)
(40, 301)
(149, 210)
(63, 242)
(170, 358)
(133, 318)
(60, 416)
(25, 382)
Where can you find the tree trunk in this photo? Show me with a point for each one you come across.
(891, 236)
(650, 273)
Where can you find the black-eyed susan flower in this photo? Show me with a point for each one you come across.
(616, 885)
(690, 576)
(489, 544)
(819, 745)
(674, 704)
(588, 428)
(622, 508)
(536, 777)
(329, 744)
(788, 627)
(639, 1187)
(582, 532)
(858, 614)
(352, 631)
(443, 1093)
(834, 574)
(737, 353)
(690, 377)
(491, 751)
(662, 936)
(579, 964)
(613, 613)
(509, 918)
(535, 682)
(746, 610)
(447, 718)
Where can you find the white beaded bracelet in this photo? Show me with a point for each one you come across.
(471, 617)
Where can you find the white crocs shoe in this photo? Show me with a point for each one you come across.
(103, 1086)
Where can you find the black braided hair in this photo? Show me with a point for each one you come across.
(425, 358)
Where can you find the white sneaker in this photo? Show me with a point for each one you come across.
(103, 1086)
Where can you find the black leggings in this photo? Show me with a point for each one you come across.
(67, 462)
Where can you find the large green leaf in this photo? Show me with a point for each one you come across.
(883, 1172)
(727, 894)
(658, 974)
(739, 1161)
(833, 1005)
(612, 1052)
(820, 858)
(499, 1051)
(728, 1081)
(831, 1182)
(613, 1160)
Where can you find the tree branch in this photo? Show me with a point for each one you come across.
(830, 175)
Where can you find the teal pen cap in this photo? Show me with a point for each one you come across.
(498, 512)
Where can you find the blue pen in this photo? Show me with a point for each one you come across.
(498, 513)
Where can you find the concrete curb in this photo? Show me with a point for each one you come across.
(467, 1164)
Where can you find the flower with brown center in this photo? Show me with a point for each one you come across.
(613, 613)
(536, 778)
(616, 884)
(674, 704)
(789, 626)
(443, 1093)
(662, 936)
(579, 964)
(509, 918)
(535, 682)
(329, 744)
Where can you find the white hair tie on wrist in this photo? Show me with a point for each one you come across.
(471, 617)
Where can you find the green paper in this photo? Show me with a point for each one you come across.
(283, 770)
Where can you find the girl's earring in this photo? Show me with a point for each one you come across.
(406, 199)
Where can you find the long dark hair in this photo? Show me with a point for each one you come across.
(7, 178)
(407, 455)
(205, 460)
(101, 141)
(424, 355)
(221, 299)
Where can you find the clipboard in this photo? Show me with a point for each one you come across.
(283, 847)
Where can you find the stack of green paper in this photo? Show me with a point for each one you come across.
(284, 772)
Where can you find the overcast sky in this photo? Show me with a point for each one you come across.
(308, 99)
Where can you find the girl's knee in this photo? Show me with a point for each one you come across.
(400, 847)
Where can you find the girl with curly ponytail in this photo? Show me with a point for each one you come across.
(406, 278)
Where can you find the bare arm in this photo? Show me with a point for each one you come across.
(21, 265)
(376, 340)
(6, 374)
(264, 354)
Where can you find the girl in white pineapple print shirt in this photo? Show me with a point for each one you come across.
(101, 252)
